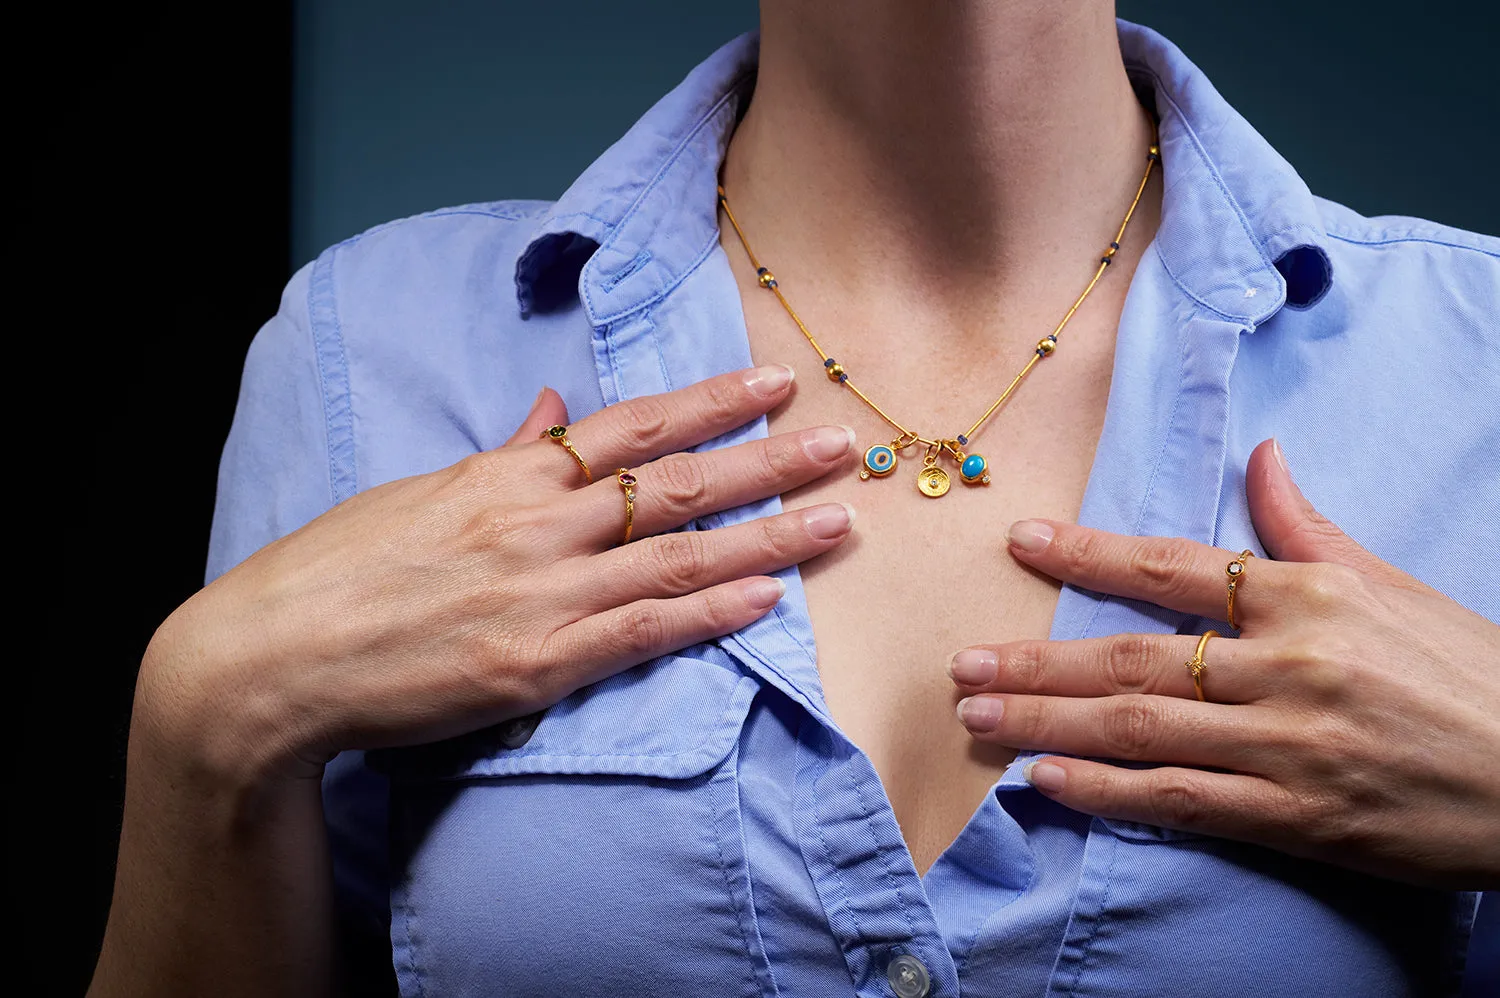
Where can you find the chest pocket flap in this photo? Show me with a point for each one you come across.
(676, 716)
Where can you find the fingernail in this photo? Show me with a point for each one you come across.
(828, 442)
(1045, 776)
(768, 380)
(764, 593)
(829, 520)
(980, 713)
(536, 401)
(1030, 535)
(973, 666)
(1280, 457)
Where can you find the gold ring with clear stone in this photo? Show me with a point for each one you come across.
(627, 485)
(1235, 571)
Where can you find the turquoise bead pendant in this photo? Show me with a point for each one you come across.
(974, 470)
(880, 461)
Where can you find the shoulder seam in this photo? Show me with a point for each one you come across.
(1376, 239)
(482, 208)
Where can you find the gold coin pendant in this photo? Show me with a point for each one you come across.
(933, 481)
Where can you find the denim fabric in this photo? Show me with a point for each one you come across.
(699, 825)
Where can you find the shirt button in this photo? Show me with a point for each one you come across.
(517, 731)
(908, 977)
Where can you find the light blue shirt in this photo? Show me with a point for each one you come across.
(699, 825)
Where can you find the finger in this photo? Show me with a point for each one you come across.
(1293, 530)
(1169, 571)
(599, 646)
(1130, 726)
(548, 410)
(1235, 670)
(627, 433)
(675, 489)
(1227, 805)
(683, 562)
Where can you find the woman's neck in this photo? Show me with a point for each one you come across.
(955, 147)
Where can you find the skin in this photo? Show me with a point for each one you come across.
(932, 185)
(946, 168)
(1354, 712)
(415, 611)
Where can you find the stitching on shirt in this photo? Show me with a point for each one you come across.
(1086, 945)
(1207, 164)
(728, 714)
(1392, 240)
(609, 226)
(777, 612)
(958, 970)
(1155, 468)
(672, 158)
(882, 851)
(751, 952)
(333, 365)
(838, 873)
(411, 946)
(636, 263)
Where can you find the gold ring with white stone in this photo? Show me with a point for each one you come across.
(1235, 571)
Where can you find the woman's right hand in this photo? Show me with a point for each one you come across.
(435, 605)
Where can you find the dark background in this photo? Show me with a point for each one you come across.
(182, 164)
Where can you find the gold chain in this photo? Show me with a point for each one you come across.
(880, 460)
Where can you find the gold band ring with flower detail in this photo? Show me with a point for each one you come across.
(627, 485)
(1196, 665)
(1235, 571)
(560, 434)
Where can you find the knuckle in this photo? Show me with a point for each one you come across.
(644, 420)
(680, 559)
(495, 528)
(496, 661)
(722, 401)
(778, 539)
(721, 610)
(1131, 663)
(1164, 562)
(1320, 666)
(682, 483)
(1023, 666)
(642, 630)
(1317, 819)
(1324, 587)
(775, 459)
(1131, 727)
(1174, 800)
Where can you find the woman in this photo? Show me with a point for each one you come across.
(605, 755)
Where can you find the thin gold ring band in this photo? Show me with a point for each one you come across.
(1235, 572)
(1196, 665)
(560, 434)
(627, 485)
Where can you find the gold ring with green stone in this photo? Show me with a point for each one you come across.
(560, 434)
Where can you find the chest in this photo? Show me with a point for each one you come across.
(923, 577)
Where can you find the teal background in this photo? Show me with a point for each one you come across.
(400, 106)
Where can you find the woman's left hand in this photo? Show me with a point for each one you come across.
(1355, 720)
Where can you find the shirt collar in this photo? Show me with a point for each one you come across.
(1240, 232)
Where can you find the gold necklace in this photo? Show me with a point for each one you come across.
(880, 460)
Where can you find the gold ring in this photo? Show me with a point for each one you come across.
(627, 485)
(1196, 665)
(560, 434)
(1235, 570)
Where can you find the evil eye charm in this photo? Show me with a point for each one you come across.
(975, 470)
(880, 461)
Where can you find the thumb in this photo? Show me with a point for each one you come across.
(548, 410)
(1292, 530)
